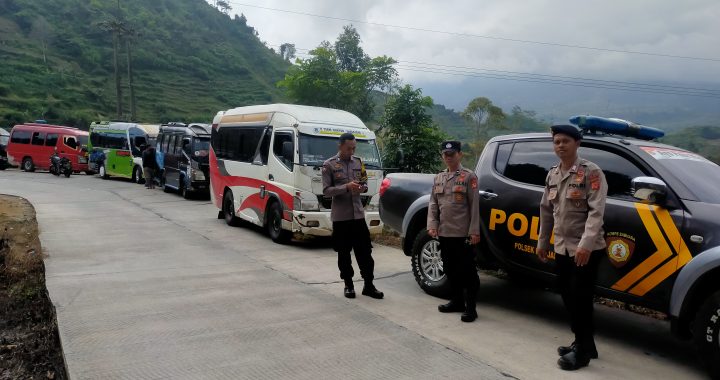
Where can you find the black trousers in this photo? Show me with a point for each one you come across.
(353, 235)
(459, 265)
(577, 287)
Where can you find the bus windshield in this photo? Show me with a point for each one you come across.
(314, 150)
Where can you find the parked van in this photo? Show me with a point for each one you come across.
(32, 144)
(116, 147)
(4, 139)
(183, 150)
(266, 167)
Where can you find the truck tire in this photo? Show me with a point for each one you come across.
(28, 165)
(706, 333)
(274, 224)
(103, 172)
(427, 266)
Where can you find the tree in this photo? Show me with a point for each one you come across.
(116, 27)
(42, 31)
(406, 126)
(350, 55)
(484, 115)
(224, 6)
(287, 51)
(329, 80)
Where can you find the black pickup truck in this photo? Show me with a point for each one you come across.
(661, 223)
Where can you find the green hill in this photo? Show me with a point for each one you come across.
(189, 61)
(703, 140)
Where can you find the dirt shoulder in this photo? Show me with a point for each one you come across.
(29, 343)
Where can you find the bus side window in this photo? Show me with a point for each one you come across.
(51, 139)
(264, 152)
(38, 138)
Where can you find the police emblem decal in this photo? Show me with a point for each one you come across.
(620, 248)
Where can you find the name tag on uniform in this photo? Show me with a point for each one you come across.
(459, 197)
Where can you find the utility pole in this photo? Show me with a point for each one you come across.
(129, 34)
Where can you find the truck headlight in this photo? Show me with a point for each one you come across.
(196, 175)
(305, 201)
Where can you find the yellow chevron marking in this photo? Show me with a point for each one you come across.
(663, 250)
(671, 266)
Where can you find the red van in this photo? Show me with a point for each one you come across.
(32, 144)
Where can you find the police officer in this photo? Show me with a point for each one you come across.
(344, 179)
(454, 219)
(572, 208)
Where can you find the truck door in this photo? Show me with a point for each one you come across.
(280, 167)
(640, 237)
(254, 198)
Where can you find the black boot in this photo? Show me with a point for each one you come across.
(470, 313)
(370, 291)
(349, 289)
(574, 360)
(564, 350)
(455, 305)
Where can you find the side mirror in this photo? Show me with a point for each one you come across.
(649, 189)
(287, 151)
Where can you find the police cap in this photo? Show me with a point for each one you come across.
(565, 129)
(450, 146)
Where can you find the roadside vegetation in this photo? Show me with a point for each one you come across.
(29, 343)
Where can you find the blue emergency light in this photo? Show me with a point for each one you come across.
(614, 126)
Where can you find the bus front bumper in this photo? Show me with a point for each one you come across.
(318, 223)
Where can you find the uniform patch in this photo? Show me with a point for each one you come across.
(459, 197)
(575, 194)
(620, 247)
(458, 189)
(580, 175)
(473, 183)
(552, 194)
(338, 166)
(595, 181)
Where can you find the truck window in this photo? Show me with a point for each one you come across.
(51, 139)
(38, 138)
(187, 146)
(501, 158)
(237, 143)
(281, 138)
(619, 171)
(20, 137)
(530, 161)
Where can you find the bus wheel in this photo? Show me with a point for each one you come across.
(27, 164)
(229, 209)
(102, 172)
(137, 176)
(706, 333)
(274, 224)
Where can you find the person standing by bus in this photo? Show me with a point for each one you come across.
(344, 179)
(149, 166)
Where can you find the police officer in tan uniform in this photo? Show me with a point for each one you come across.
(344, 179)
(572, 208)
(454, 219)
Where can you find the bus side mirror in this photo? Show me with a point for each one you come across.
(287, 151)
(649, 189)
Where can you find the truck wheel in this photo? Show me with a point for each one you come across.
(274, 224)
(706, 332)
(428, 267)
(27, 165)
(229, 210)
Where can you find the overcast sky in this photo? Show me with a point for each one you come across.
(689, 28)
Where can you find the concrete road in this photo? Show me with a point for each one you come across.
(150, 286)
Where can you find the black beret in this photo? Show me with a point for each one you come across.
(447, 146)
(565, 129)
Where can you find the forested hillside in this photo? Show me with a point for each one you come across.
(189, 60)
